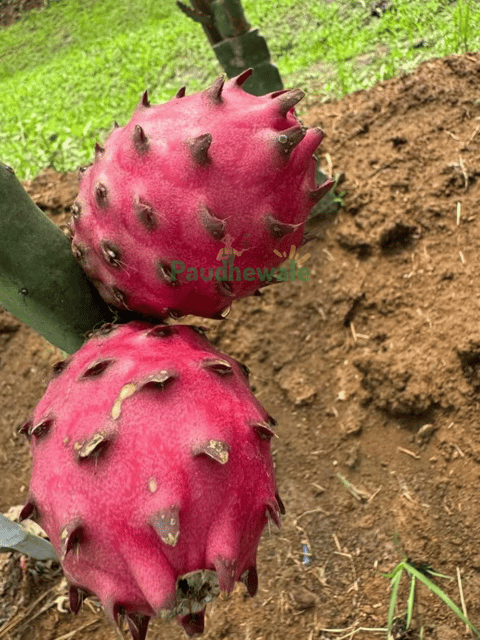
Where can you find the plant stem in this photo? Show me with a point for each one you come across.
(41, 283)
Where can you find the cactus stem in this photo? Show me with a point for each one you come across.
(81, 172)
(320, 133)
(113, 610)
(201, 330)
(119, 297)
(79, 252)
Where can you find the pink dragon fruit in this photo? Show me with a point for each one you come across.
(152, 474)
(196, 202)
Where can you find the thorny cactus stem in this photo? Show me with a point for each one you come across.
(41, 283)
(236, 45)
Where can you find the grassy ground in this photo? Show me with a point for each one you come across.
(67, 72)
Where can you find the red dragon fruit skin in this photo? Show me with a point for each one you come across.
(152, 474)
(213, 176)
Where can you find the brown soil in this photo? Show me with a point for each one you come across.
(12, 10)
(380, 342)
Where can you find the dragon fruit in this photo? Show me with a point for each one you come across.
(196, 202)
(152, 474)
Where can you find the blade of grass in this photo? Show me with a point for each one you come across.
(397, 576)
(460, 589)
(410, 602)
(412, 571)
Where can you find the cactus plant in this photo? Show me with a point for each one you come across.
(40, 281)
(236, 45)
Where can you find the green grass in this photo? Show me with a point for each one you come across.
(69, 71)
(422, 574)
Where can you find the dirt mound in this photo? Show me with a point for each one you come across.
(372, 368)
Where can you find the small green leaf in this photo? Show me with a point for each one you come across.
(397, 576)
(410, 602)
(440, 594)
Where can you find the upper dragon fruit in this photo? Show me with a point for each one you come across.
(152, 473)
(185, 206)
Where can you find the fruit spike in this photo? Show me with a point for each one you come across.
(240, 79)
(181, 92)
(318, 193)
(199, 148)
(157, 502)
(214, 92)
(286, 101)
(140, 140)
(191, 185)
(75, 599)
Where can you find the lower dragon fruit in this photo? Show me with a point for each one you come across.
(197, 201)
(152, 473)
